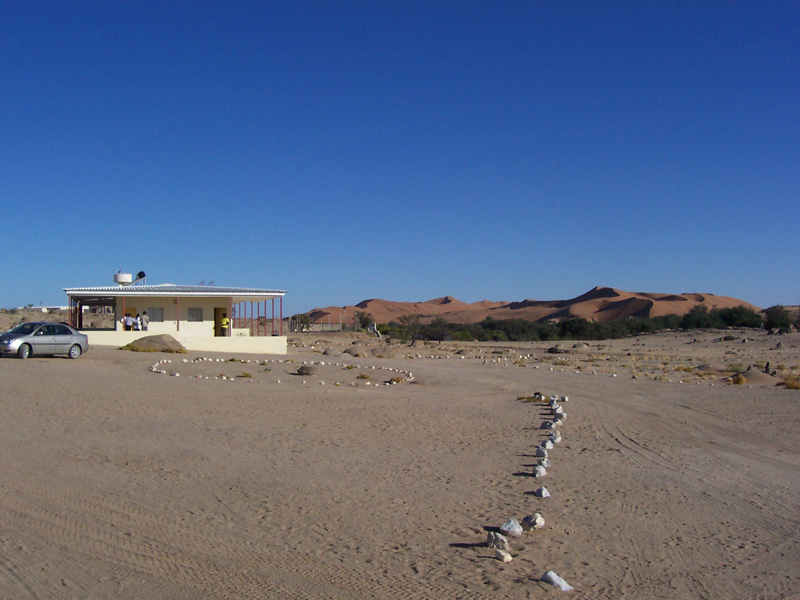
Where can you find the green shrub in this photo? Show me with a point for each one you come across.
(739, 316)
(777, 317)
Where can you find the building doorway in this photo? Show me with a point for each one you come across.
(218, 313)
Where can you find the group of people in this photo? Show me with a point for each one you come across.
(137, 323)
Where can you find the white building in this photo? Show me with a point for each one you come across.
(192, 314)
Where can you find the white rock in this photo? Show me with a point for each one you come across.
(539, 471)
(556, 439)
(511, 527)
(541, 452)
(553, 579)
(545, 462)
(503, 556)
(542, 493)
(547, 445)
(534, 521)
(497, 540)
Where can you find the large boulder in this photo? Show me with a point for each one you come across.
(156, 343)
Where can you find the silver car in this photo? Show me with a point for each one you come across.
(40, 339)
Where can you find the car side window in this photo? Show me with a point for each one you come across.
(47, 330)
(61, 330)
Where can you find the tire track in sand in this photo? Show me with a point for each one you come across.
(94, 530)
(12, 581)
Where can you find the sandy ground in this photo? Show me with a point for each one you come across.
(118, 481)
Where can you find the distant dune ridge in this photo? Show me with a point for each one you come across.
(598, 304)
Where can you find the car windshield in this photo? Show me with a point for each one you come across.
(24, 328)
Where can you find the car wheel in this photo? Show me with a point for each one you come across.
(24, 351)
(74, 351)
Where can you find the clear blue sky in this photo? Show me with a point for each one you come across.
(402, 150)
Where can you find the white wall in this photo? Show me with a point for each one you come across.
(176, 315)
(252, 345)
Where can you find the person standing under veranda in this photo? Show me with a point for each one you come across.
(224, 324)
(145, 321)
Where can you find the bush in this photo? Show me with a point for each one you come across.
(777, 317)
(520, 330)
(363, 320)
(739, 316)
(700, 318)
(303, 320)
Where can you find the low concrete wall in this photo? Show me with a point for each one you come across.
(237, 343)
(251, 345)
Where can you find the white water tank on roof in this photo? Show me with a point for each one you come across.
(123, 278)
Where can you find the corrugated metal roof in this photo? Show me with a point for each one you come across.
(169, 289)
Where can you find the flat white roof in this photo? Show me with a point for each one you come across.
(241, 294)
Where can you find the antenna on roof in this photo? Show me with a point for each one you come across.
(202, 283)
(210, 283)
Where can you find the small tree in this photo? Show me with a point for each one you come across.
(411, 325)
(739, 316)
(363, 320)
(700, 318)
(303, 321)
(777, 317)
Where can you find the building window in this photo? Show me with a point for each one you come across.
(195, 314)
(156, 314)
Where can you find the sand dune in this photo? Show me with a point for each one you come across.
(598, 304)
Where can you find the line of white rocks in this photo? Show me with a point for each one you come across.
(407, 376)
(512, 527)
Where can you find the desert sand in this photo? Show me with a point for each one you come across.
(234, 477)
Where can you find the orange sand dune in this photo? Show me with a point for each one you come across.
(598, 304)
